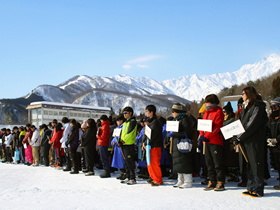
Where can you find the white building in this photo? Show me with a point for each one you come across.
(44, 112)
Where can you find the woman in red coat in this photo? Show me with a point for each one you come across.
(214, 148)
(55, 140)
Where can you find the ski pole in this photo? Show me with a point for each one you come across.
(171, 142)
(243, 152)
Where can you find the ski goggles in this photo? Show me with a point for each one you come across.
(275, 106)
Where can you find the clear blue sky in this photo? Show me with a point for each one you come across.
(48, 42)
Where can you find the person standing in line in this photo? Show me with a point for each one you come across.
(66, 132)
(20, 145)
(126, 142)
(253, 141)
(117, 161)
(4, 156)
(46, 136)
(156, 145)
(103, 143)
(27, 146)
(72, 144)
(274, 135)
(35, 143)
(88, 143)
(182, 162)
(55, 143)
(214, 149)
(231, 156)
(52, 154)
(8, 142)
(15, 141)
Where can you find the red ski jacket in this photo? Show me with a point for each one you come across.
(217, 116)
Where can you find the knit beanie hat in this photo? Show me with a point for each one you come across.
(178, 108)
(202, 109)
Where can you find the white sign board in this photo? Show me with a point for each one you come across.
(172, 126)
(204, 125)
(232, 129)
(117, 132)
(148, 132)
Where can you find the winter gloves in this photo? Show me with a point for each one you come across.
(271, 142)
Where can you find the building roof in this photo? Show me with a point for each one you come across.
(66, 106)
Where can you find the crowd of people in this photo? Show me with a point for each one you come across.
(73, 147)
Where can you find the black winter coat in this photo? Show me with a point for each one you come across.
(89, 139)
(156, 137)
(253, 140)
(46, 137)
(182, 162)
(231, 156)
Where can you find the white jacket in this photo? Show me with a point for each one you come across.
(8, 140)
(66, 133)
(36, 138)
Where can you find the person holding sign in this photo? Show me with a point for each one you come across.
(213, 140)
(127, 141)
(182, 162)
(253, 118)
(118, 161)
(156, 145)
(231, 156)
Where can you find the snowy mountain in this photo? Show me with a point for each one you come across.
(123, 90)
(196, 86)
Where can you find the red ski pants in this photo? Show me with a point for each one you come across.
(154, 167)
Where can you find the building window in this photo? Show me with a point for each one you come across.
(55, 113)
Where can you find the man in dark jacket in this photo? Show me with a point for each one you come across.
(46, 137)
(156, 144)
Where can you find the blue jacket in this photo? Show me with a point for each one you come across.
(164, 154)
(140, 152)
(117, 161)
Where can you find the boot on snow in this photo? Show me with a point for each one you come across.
(211, 185)
(106, 174)
(219, 187)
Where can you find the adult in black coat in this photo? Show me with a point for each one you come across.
(254, 119)
(182, 162)
(89, 144)
(46, 137)
(274, 135)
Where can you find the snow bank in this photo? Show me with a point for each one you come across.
(24, 187)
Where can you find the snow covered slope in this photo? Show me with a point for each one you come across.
(24, 187)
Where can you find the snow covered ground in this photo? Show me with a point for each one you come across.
(24, 187)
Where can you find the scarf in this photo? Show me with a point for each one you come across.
(210, 107)
(181, 114)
